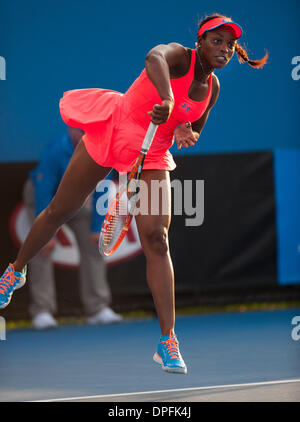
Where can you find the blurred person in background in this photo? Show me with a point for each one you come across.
(38, 192)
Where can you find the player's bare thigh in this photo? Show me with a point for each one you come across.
(154, 220)
(80, 179)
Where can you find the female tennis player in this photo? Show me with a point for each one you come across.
(176, 90)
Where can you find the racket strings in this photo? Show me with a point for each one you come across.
(119, 215)
(116, 222)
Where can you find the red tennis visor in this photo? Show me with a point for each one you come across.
(216, 22)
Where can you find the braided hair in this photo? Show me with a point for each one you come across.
(241, 52)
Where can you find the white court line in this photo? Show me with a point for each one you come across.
(211, 387)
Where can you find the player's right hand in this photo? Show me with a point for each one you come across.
(161, 112)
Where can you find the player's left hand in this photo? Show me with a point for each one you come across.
(184, 135)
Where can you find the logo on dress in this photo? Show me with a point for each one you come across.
(186, 107)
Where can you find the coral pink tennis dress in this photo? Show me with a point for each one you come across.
(115, 124)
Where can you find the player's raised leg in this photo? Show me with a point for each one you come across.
(79, 180)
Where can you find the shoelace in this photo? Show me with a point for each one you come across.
(172, 347)
(7, 281)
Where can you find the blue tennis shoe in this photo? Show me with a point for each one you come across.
(168, 355)
(10, 281)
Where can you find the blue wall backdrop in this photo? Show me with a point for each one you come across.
(52, 47)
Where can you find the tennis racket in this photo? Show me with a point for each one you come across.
(121, 210)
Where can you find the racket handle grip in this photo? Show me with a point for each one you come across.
(149, 137)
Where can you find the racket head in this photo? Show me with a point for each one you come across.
(118, 219)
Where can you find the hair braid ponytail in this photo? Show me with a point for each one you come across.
(243, 57)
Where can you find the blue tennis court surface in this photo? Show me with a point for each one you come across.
(230, 356)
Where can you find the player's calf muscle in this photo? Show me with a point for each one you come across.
(57, 214)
